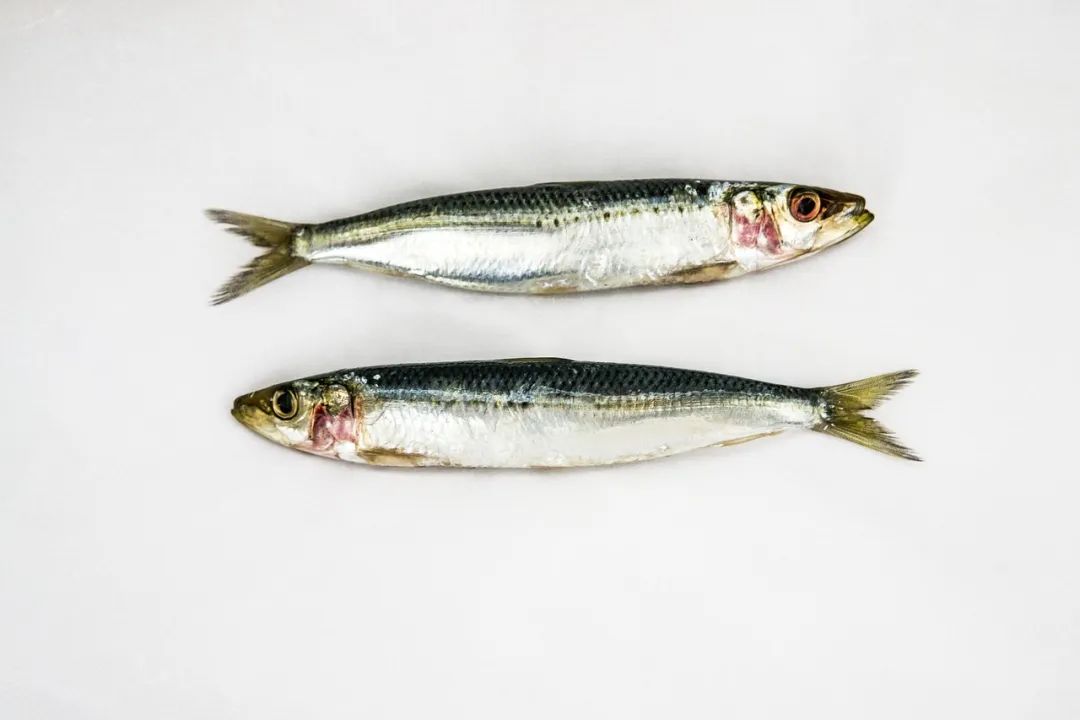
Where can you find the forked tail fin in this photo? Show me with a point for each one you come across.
(278, 260)
(843, 416)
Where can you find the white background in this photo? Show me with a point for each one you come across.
(159, 561)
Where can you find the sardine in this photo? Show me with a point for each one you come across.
(549, 412)
(564, 237)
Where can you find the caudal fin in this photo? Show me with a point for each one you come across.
(843, 412)
(278, 260)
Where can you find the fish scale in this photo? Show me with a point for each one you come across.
(549, 412)
(522, 206)
(558, 375)
(563, 237)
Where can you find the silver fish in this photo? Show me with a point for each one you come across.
(549, 412)
(564, 237)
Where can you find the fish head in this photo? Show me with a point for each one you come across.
(773, 224)
(314, 415)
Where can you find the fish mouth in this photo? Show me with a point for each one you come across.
(250, 416)
(855, 208)
(859, 219)
(241, 411)
(250, 419)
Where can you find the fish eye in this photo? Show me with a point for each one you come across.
(284, 404)
(805, 205)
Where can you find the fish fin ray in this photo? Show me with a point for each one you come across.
(390, 457)
(275, 235)
(701, 273)
(844, 406)
(530, 360)
(746, 438)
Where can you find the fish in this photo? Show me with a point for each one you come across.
(549, 413)
(563, 237)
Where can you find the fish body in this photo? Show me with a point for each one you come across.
(547, 412)
(565, 237)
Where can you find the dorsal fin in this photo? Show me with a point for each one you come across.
(523, 360)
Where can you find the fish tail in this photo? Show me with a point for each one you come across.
(278, 260)
(843, 406)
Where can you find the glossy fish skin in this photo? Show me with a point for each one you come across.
(566, 237)
(544, 412)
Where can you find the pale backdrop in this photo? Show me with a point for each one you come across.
(159, 561)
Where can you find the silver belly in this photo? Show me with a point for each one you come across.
(636, 249)
(540, 435)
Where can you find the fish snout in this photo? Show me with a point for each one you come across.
(246, 410)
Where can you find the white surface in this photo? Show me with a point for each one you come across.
(159, 561)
